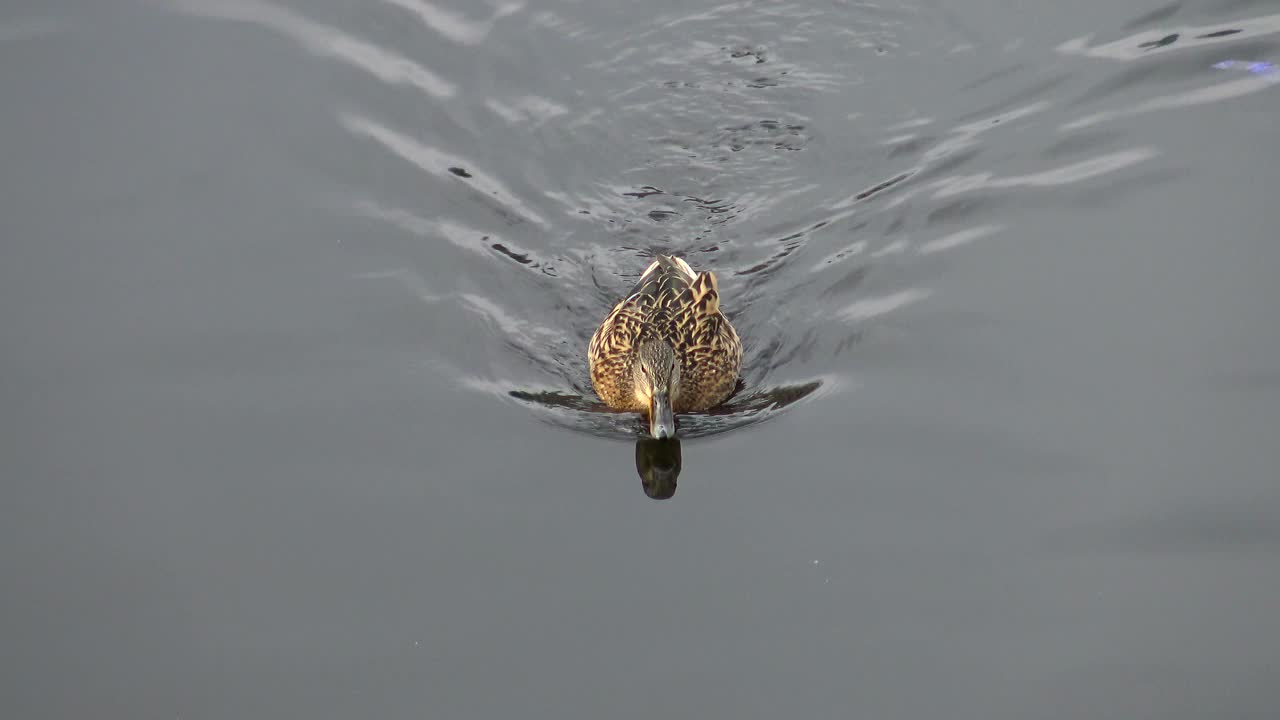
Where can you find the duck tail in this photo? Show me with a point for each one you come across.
(666, 277)
(673, 264)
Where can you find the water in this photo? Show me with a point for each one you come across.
(295, 296)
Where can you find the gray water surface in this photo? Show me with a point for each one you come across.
(294, 299)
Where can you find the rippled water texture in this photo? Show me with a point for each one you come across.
(296, 297)
(753, 139)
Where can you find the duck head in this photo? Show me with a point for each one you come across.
(657, 383)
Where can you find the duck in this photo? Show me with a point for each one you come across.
(667, 347)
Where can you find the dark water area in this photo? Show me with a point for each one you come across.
(295, 297)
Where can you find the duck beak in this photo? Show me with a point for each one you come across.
(662, 423)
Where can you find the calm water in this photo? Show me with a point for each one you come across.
(294, 297)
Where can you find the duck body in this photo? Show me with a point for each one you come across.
(667, 341)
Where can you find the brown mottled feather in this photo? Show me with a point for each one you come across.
(672, 303)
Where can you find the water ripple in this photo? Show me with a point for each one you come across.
(1065, 175)
(1200, 96)
(441, 164)
(868, 308)
(452, 25)
(1152, 42)
(325, 41)
(726, 134)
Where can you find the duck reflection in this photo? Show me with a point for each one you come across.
(658, 462)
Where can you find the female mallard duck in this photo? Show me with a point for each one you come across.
(666, 348)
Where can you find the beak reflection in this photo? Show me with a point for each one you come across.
(658, 462)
